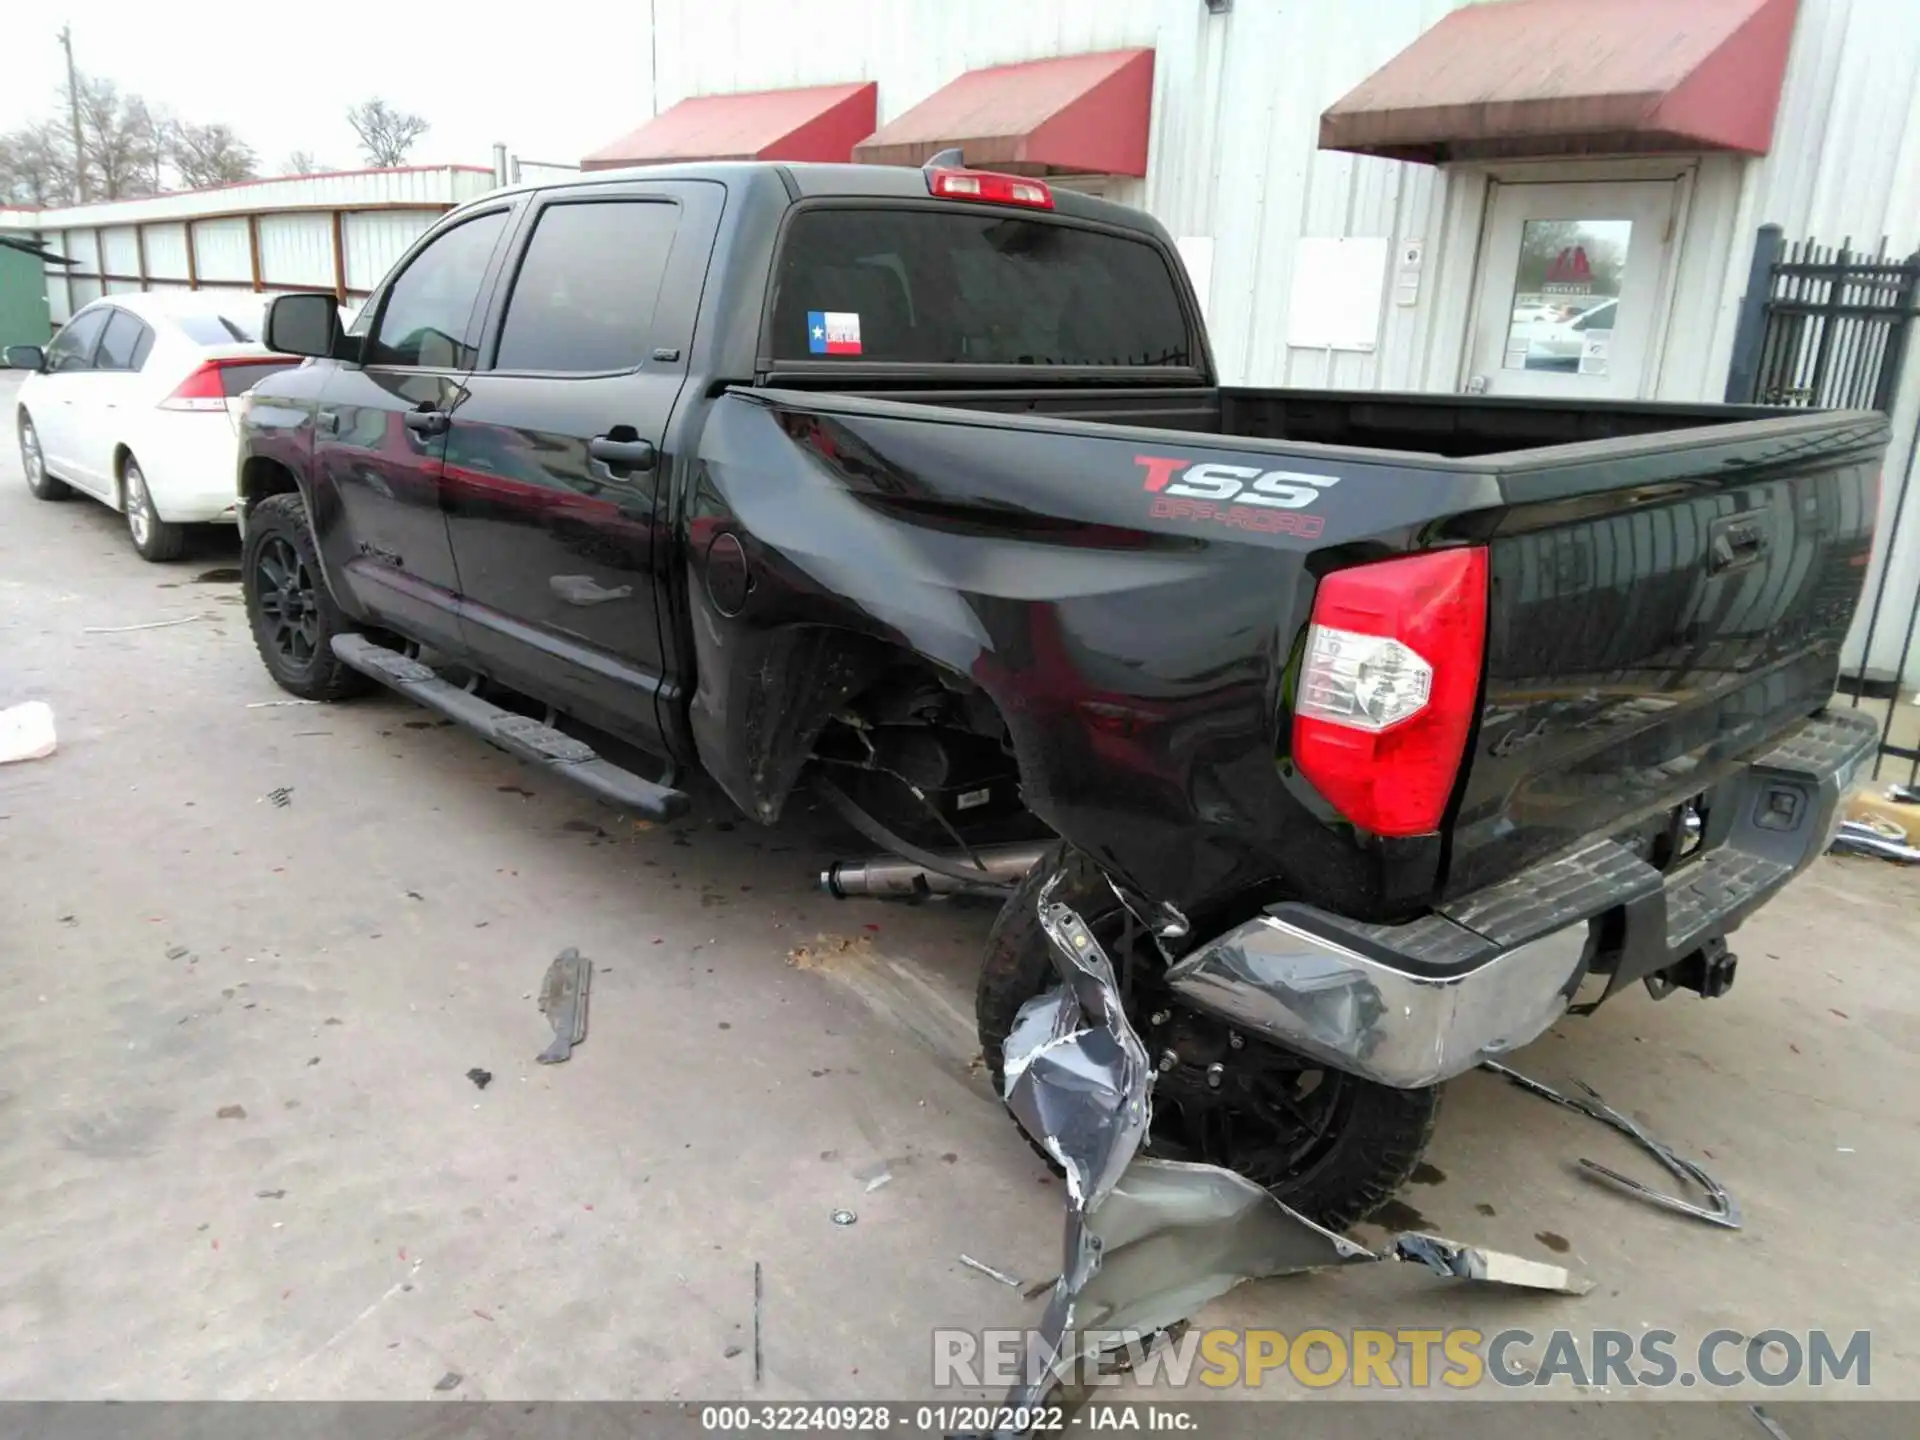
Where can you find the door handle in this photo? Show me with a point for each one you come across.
(427, 422)
(623, 454)
(327, 422)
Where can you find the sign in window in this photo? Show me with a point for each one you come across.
(1566, 294)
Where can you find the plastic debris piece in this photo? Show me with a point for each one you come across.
(449, 1381)
(1721, 1208)
(281, 798)
(988, 1270)
(26, 732)
(563, 1000)
(844, 1217)
(277, 704)
(480, 1078)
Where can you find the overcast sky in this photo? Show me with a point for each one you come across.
(552, 80)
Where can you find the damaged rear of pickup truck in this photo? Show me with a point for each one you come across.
(1360, 736)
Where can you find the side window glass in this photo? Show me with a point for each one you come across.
(72, 348)
(429, 308)
(584, 297)
(120, 343)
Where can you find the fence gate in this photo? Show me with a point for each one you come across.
(1827, 327)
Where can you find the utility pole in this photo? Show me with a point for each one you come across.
(73, 115)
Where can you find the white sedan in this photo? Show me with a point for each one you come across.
(133, 403)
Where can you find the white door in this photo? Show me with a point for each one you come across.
(1571, 284)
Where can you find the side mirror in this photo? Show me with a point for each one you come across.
(26, 357)
(304, 325)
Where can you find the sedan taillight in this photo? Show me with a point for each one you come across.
(202, 390)
(1388, 686)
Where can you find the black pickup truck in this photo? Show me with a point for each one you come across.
(1369, 733)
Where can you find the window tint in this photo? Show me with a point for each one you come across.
(212, 329)
(583, 300)
(429, 308)
(72, 348)
(962, 287)
(120, 345)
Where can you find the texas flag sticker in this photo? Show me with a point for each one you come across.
(833, 332)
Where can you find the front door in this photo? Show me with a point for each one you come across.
(1571, 283)
(558, 461)
(61, 408)
(381, 434)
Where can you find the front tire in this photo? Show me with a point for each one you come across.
(290, 610)
(1356, 1142)
(34, 461)
(154, 539)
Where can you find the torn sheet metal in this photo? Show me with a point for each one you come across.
(1882, 840)
(563, 1000)
(1148, 1242)
(1720, 1208)
(1493, 1267)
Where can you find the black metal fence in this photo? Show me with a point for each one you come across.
(1822, 326)
(1828, 327)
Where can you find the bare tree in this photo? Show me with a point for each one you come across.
(301, 162)
(209, 155)
(386, 134)
(120, 142)
(36, 166)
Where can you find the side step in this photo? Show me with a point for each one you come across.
(518, 735)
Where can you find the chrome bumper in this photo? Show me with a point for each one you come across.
(1412, 1005)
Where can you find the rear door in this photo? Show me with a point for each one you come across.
(381, 430)
(558, 463)
(114, 392)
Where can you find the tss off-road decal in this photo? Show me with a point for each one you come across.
(1244, 496)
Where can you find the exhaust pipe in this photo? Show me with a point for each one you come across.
(884, 875)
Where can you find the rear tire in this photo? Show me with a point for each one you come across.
(290, 610)
(154, 539)
(34, 462)
(1374, 1138)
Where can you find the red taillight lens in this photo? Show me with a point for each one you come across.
(202, 390)
(1388, 685)
(990, 187)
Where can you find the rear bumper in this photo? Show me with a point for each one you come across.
(1415, 1004)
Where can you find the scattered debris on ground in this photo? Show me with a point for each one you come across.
(149, 625)
(1721, 1208)
(281, 798)
(1495, 1267)
(824, 950)
(26, 732)
(449, 1381)
(757, 1290)
(277, 704)
(480, 1078)
(563, 1000)
(988, 1270)
(844, 1217)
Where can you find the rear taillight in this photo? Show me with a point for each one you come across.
(1388, 686)
(201, 390)
(988, 186)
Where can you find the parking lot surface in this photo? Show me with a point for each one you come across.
(241, 1156)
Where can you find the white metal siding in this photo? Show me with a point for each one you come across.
(167, 252)
(120, 249)
(83, 248)
(297, 250)
(431, 188)
(373, 241)
(222, 251)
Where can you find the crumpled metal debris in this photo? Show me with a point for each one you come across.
(1495, 1267)
(1721, 1208)
(563, 1000)
(1880, 839)
(1147, 1242)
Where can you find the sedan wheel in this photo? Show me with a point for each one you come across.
(154, 538)
(43, 485)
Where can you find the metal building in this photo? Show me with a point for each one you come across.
(337, 232)
(1535, 197)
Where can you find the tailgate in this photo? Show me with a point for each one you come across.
(1643, 638)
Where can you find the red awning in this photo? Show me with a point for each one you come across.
(1079, 115)
(821, 122)
(1575, 77)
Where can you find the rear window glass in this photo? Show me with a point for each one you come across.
(210, 329)
(238, 379)
(965, 288)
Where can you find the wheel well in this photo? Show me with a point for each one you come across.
(121, 454)
(261, 477)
